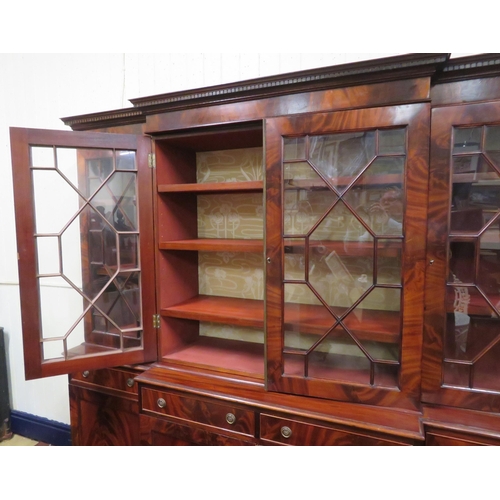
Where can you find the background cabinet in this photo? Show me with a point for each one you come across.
(286, 226)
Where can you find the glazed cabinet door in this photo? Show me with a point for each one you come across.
(345, 249)
(462, 335)
(84, 220)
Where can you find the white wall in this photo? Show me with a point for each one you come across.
(37, 89)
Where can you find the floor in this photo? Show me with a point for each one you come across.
(16, 440)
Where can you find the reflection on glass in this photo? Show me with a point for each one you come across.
(467, 140)
(343, 322)
(341, 157)
(88, 250)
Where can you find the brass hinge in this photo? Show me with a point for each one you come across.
(152, 160)
(156, 321)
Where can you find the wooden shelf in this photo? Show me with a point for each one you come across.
(366, 324)
(222, 355)
(214, 245)
(213, 187)
(240, 312)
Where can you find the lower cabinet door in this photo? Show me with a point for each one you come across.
(99, 419)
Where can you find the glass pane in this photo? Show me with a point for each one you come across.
(341, 157)
(116, 200)
(475, 198)
(48, 255)
(392, 141)
(467, 140)
(53, 349)
(129, 251)
(61, 307)
(462, 261)
(53, 212)
(295, 259)
(42, 156)
(389, 262)
(294, 148)
(304, 208)
(301, 171)
(87, 239)
(125, 160)
(492, 144)
(343, 270)
(488, 276)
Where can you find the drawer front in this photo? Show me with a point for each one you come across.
(441, 437)
(187, 408)
(160, 432)
(120, 380)
(285, 431)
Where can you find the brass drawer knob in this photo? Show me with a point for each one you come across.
(130, 382)
(85, 374)
(161, 403)
(286, 432)
(230, 418)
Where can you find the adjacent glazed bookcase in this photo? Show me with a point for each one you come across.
(210, 241)
(463, 283)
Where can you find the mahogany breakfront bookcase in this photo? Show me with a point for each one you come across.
(307, 259)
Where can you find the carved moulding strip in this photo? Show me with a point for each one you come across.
(105, 119)
(463, 68)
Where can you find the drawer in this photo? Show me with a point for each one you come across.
(285, 431)
(199, 410)
(120, 380)
(443, 437)
(161, 432)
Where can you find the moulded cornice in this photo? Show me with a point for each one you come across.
(463, 68)
(105, 119)
(376, 70)
(362, 72)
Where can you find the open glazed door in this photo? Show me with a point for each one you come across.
(84, 215)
